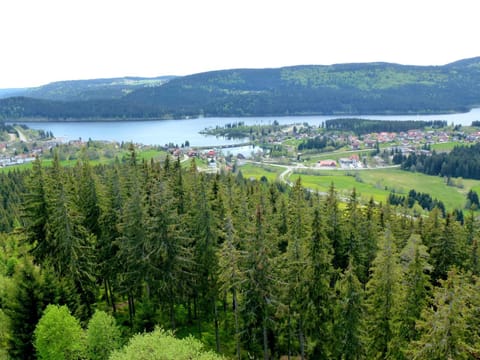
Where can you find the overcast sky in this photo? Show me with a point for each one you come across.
(49, 40)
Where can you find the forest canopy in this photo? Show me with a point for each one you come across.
(461, 162)
(248, 268)
(339, 89)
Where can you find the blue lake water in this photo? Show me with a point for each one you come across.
(162, 132)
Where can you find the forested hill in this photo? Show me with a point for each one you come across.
(74, 90)
(373, 88)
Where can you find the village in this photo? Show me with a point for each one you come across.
(371, 150)
(21, 146)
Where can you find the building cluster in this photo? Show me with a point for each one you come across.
(411, 138)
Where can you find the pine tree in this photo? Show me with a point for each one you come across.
(258, 290)
(447, 249)
(414, 297)
(205, 236)
(296, 265)
(431, 229)
(471, 227)
(130, 244)
(88, 203)
(35, 214)
(382, 298)
(69, 244)
(164, 248)
(369, 233)
(444, 327)
(334, 229)
(230, 274)
(319, 275)
(24, 310)
(111, 205)
(348, 332)
(354, 243)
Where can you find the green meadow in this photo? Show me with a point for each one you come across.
(378, 183)
(142, 155)
(257, 171)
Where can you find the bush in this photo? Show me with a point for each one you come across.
(103, 336)
(58, 335)
(162, 345)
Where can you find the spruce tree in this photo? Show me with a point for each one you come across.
(204, 234)
(355, 245)
(369, 233)
(382, 298)
(296, 264)
(24, 309)
(88, 203)
(319, 275)
(35, 214)
(164, 248)
(334, 229)
(448, 249)
(69, 244)
(445, 328)
(106, 249)
(471, 227)
(230, 275)
(414, 297)
(348, 331)
(131, 250)
(258, 289)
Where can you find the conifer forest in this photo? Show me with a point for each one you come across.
(105, 255)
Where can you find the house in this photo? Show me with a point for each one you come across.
(351, 162)
(327, 163)
(177, 152)
(354, 158)
(355, 145)
(211, 153)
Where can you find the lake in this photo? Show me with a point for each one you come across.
(161, 132)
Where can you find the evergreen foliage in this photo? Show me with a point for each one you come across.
(352, 89)
(382, 298)
(249, 268)
(364, 126)
(462, 161)
(449, 328)
(24, 310)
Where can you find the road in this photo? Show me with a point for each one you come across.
(21, 135)
(283, 177)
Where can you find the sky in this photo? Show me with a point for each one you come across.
(42, 41)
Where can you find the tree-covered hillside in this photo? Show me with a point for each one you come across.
(75, 90)
(374, 88)
(250, 268)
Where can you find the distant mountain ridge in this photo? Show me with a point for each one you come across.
(93, 89)
(5, 93)
(339, 89)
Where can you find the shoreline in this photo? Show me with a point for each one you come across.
(141, 119)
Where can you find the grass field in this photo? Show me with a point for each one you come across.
(146, 155)
(379, 183)
(445, 147)
(336, 155)
(343, 184)
(257, 171)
